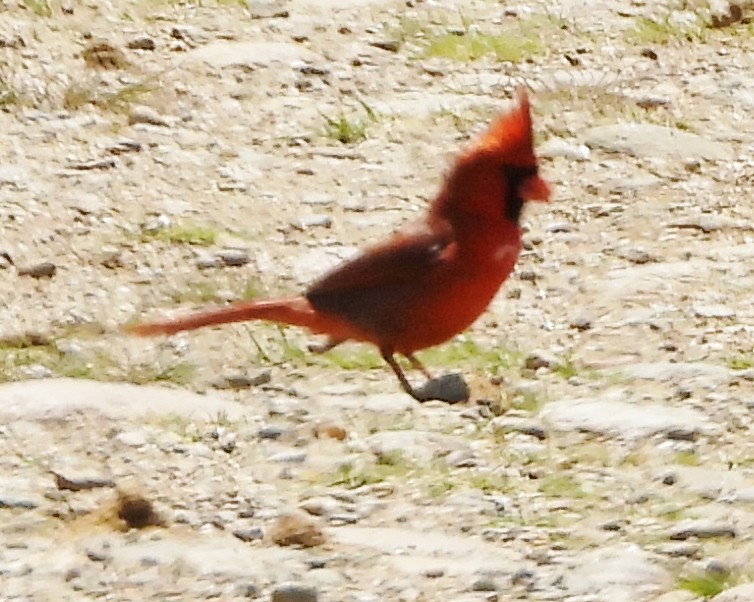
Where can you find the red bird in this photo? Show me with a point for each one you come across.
(432, 279)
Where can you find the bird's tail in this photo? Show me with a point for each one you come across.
(296, 311)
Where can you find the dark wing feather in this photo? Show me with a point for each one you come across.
(375, 289)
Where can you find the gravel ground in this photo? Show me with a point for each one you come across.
(161, 156)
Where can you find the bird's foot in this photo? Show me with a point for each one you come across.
(450, 388)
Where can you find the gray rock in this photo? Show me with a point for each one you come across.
(320, 506)
(619, 418)
(88, 203)
(558, 147)
(294, 592)
(713, 311)
(313, 221)
(289, 457)
(647, 140)
(739, 593)
(514, 424)
(250, 534)
(11, 501)
(616, 573)
(702, 529)
(450, 388)
(267, 9)
(208, 262)
(144, 114)
(541, 359)
(242, 381)
(46, 269)
(484, 583)
(457, 555)
(253, 54)
(234, 257)
(80, 482)
(270, 431)
(387, 403)
(724, 13)
(141, 43)
(680, 549)
(679, 371)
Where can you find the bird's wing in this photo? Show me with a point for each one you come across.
(375, 289)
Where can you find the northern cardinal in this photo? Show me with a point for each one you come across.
(429, 281)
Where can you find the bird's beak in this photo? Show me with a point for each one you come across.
(534, 189)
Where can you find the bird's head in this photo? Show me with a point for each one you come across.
(498, 171)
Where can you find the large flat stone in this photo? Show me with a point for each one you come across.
(647, 140)
(620, 418)
(56, 398)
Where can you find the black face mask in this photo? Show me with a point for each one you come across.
(515, 176)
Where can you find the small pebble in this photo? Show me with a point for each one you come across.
(289, 457)
(251, 534)
(45, 269)
(242, 381)
(329, 430)
(389, 45)
(141, 43)
(270, 432)
(450, 388)
(5, 260)
(233, 257)
(540, 359)
(137, 511)
(80, 483)
(144, 114)
(296, 529)
(581, 323)
(98, 555)
(484, 584)
(294, 592)
(247, 590)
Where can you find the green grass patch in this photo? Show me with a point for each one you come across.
(528, 401)
(489, 483)
(349, 129)
(463, 353)
(704, 585)
(468, 46)
(741, 362)
(387, 466)
(183, 234)
(178, 373)
(686, 459)
(195, 292)
(8, 95)
(561, 486)
(362, 357)
(88, 91)
(40, 8)
(665, 29)
(95, 364)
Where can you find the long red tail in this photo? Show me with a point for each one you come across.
(296, 311)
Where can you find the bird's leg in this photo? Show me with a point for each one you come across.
(417, 365)
(324, 347)
(405, 385)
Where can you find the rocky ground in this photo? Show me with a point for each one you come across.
(157, 156)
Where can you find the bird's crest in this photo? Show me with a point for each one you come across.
(508, 138)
